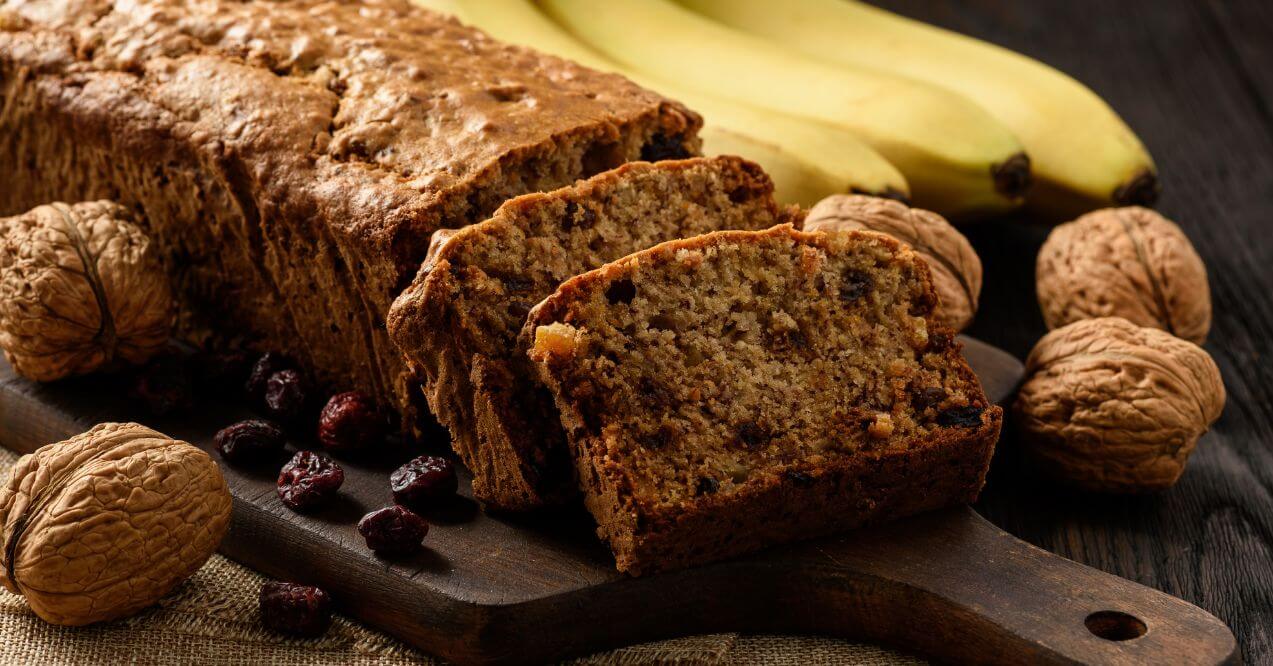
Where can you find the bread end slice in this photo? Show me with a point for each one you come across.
(740, 389)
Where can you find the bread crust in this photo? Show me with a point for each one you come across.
(809, 497)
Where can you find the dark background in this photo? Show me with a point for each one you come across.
(1195, 80)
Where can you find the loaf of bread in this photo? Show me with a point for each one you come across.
(740, 389)
(293, 158)
(457, 324)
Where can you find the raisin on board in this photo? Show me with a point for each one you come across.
(393, 531)
(264, 368)
(250, 442)
(421, 480)
(285, 396)
(308, 480)
(297, 610)
(350, 422)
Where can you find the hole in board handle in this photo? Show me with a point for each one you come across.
(1115, 625)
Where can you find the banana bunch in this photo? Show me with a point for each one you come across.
(958, 158)
(1082, 154)
(832, 96)
(807, 160)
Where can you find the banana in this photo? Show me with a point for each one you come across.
(1083, 155)
(958, 159)
(795, 181)
(807, 161)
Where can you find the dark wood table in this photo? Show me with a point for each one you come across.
(1195, 79)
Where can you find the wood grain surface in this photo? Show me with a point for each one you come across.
(1195, 79)
(505, 589)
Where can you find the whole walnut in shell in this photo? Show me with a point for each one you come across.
(80, 286)
(954, 264)
(1124, 262)
(102, 525)
(1110, 406)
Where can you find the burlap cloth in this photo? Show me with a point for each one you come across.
(212, 619)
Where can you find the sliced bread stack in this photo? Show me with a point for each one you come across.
(664, 339)
(457, 324)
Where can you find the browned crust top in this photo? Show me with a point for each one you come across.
(369, 113)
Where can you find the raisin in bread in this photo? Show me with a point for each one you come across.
(293, 158)
(741, 389)
(457, 324)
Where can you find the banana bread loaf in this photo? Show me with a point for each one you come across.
(740, 389)
(293, 158)
(457, 324)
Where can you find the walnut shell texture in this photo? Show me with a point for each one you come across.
(1110, 406)
(102, 525)
(80, 286)
(1124, 262)
(954, 264)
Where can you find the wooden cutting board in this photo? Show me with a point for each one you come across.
(525, 589)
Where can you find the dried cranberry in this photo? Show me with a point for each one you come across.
(621, 291)
(798, 478)
(250, 442)
(939, 341)
(350, 422)
(264, 368)
(299, 610)
(423, 479)
(164, 385)
(658, 439)
(308, 479)
(928, 396)
(856, 285)
(752, 435)
(960, 417)
(285, 395)
(393, 531)
(663, 147)
(578, 216)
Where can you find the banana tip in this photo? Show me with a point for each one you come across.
(1142, 190)
(1012, 176)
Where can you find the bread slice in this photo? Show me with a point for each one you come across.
(457, 324)
(290, 160)
(740, 389)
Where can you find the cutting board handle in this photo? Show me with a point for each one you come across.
(954, 586)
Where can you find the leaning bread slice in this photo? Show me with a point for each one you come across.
(740, 389)
(457, 324)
